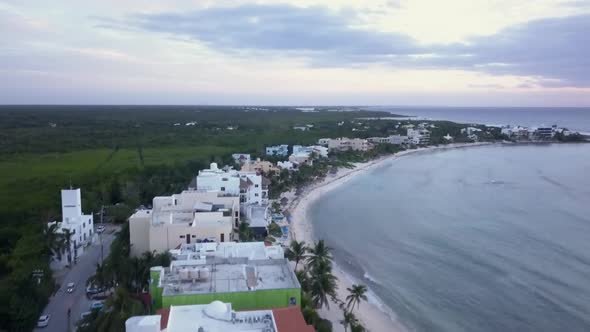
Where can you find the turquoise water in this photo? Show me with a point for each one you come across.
(478, 239)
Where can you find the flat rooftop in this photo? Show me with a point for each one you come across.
(218, 316)
(224, 275)
(250, 250)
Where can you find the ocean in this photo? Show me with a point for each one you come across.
(571, 118)
(493, 238)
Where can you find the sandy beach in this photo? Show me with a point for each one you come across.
(374, 315)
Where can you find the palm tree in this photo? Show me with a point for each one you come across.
(296, 252)
(118, 309)
(348, 319)
(357, 293)
(323, 284)
(244, 231)
(67, 235)
(319, 253)
(55, 241)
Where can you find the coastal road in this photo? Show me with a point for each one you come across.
(79, 273)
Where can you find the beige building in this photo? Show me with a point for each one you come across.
(344, 144)
(259, 166)
(184, 218)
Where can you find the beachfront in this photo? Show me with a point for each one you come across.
(374, 315)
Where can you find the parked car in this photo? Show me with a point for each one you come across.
(43, 321)
(96, 305)
(85, 314)
(100, 229)
(91, 289)
(70, 287)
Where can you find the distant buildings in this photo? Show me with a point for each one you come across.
(286, 165)
(241, 158)
(250, 276)
(419, 136)
(79, 226)
(520, 133)
(259, 166)
(345, 144)
(393, 139)
(278, 150)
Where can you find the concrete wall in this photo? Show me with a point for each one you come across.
(139, 233)
(163, 238)
(250, 300)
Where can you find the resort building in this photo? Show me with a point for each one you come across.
(218, 316)
(320, 151)
(345, 144)
(188, 217)
(394, 139)
(286, 165)
(543, 133)
(419, 136)
(241, 158)
(247, 277)
(248, 185)
(278, 150)
(259, 166)
(79, 226)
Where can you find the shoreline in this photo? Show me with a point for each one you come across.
(373, 314)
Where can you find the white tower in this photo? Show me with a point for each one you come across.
(71, 204)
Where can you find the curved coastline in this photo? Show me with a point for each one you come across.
(375, 315)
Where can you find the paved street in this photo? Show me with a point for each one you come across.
(79, 273)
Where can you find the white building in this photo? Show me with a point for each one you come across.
(218, 316)
(247, 185)
(278, 150)
(241, 158)
(80, 226)
(188, 217)
(286, 165)
(345, 144)
(419, 136)
(393, 139)
(324, 141)
(320, 151)
(301, 128)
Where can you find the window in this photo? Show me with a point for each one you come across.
(256, 195)
(255, 186)
(193, 236)
(182, 236)
(222, 188)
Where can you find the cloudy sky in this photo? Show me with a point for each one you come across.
(371, 52)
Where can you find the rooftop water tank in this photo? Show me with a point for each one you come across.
(204, 273)
(184, 274)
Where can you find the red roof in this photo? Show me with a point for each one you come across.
(291, 319)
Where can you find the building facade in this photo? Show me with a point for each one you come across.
(345, 144)
(80, 226)
(184, 218)
(278, 150)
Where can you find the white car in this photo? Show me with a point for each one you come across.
(70, 287)
(43, 321)
(100, 229)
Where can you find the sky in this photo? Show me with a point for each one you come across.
(307, 52)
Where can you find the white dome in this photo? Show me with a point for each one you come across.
(216, 309)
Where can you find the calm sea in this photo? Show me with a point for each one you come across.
(572, 118)
(479, 239)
